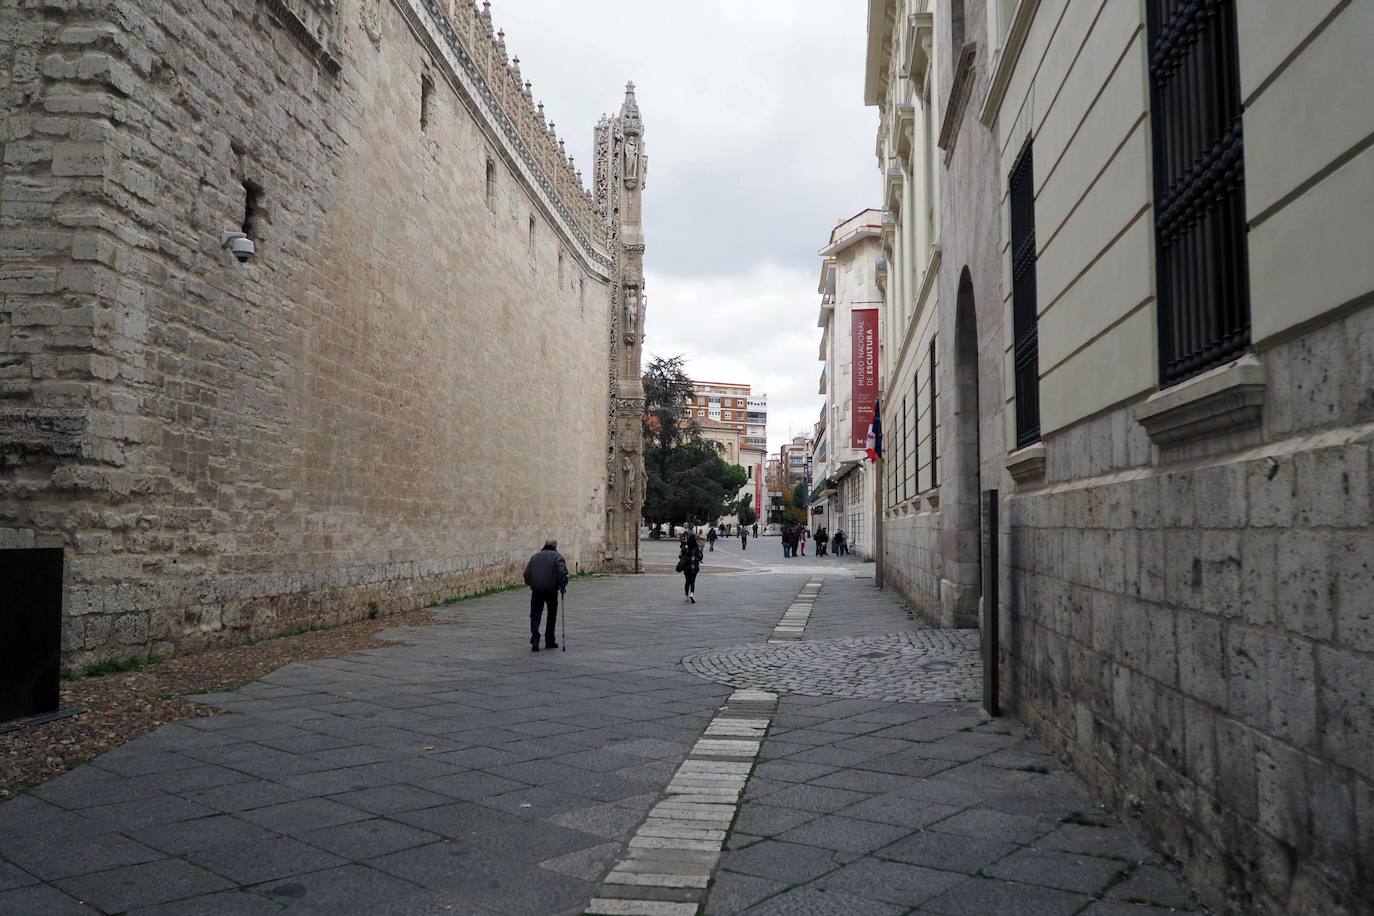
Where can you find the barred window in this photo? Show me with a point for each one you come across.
(906, 454)
(1026, 348)
(934, 420)
(1202, 274)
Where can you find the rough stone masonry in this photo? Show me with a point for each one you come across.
(421, 373)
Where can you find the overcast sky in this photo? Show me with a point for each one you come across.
(758, 141)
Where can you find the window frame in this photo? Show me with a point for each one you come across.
(1025, 301)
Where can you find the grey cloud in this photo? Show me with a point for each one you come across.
(758, 142)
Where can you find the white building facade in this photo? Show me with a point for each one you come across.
(900, 80)
(1154, 337)
(849, 282)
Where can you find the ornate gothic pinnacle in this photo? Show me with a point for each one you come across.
(629, 111)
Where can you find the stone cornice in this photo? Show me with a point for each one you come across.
(548, 175)
(960, 89)
(1002, 66)
(1222, 401)
(1027, 464)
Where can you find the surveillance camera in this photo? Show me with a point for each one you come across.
(240, 245)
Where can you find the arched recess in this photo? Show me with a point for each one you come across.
(962, 586)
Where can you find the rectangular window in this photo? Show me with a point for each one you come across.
(426, 90)
(491, 184)
(934, 420)
(1201, 270)
(906, 453)
(1026, 348)
(531, 236)
(726, 415)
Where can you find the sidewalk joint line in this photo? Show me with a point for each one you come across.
(678, 846)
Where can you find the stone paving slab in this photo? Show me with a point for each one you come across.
(454, 771)
(864, 805)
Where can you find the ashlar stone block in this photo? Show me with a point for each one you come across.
(1353, 560)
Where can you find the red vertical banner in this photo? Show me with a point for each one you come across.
(864, 373)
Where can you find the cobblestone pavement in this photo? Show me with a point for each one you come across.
(457, 772)
(920, 667)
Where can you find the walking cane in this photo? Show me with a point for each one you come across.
(565, 622)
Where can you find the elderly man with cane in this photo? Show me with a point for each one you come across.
(547, 576)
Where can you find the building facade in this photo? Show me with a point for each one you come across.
(722, 402)
(1155, 339)
(228, 450)
(733, 405)
(902, 82)
(850, 288)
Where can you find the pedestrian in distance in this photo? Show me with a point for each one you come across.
(841, 543)
(711, 538)
(822, 541)
(547, 576)
(744, 536)
(689, 564)
(801, 539)
(756, 531)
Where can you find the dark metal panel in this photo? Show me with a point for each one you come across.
(1025, 318)
(992, 618)
(30, 631)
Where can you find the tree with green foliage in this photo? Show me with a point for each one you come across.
(743, 509)
(688, 479)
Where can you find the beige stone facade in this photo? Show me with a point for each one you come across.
(1187, 554)
(411, 384)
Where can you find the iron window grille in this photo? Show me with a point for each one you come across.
(1202, 273)
(906, 453)
(1026, 349)
(934, 420)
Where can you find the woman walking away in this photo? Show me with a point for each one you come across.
(822, 538)
(689, 564)
(801, 538)
(711, 538)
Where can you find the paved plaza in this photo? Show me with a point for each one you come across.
(457, 772)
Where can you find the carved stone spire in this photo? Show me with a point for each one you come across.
(619, 185)
(629, 111)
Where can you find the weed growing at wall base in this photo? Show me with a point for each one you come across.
(120, 665)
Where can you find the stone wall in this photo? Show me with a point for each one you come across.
(394, 402)
(911, 559)
(1199, 636)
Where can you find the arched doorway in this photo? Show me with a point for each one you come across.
(962, 588)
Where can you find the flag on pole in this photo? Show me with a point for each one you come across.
(874, 444)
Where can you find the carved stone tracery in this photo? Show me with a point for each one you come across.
(618, 180)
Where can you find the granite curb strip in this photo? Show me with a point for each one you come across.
(668, 863)
(794, 619)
